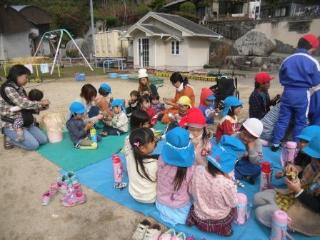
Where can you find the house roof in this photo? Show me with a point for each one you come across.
(187, 27)
(33, 14)
(173, 3)
(12, 21)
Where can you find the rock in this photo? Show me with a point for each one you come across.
(257, 61)
(284, 48)
(254, 43)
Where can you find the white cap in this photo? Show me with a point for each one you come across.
(142, 73)
(254, 126)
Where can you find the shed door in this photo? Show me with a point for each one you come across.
(143, 49)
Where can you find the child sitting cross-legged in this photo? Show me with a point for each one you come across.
(141, 165)
(195, 122)
(104, 98)
(79, 127)
(229, 123)
(213, 190)
(175, 169)
(119, 122)
(157, 106)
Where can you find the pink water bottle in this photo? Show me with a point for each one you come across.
(117, 169)
(265, 177)
(288, 153)
(279, 225)
(241, 208)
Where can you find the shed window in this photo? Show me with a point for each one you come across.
(175, 48)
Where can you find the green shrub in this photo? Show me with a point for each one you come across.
(188, 7)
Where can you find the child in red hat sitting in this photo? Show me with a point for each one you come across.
(259, 101)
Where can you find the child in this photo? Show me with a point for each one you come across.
(145, 87)
(214, 192)
(229, 123)
(175, 168)
(195, 122)
(184, 104)
(248, 168)
(207, 104)
(156, 105)
(104, 99)
(26, 118)
(298, 73)
(259, 100)
(304, 208)
(145, 105)
(119, 123)
(79, 130)
(139, 119)
(133, 102)
(142, 167)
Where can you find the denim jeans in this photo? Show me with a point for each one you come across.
(33, 137)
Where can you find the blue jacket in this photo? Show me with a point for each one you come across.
(207, 111)
(300, 70)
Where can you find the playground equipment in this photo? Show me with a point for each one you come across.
(48, 35)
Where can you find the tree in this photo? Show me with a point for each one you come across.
(188, 7)
(156, 5)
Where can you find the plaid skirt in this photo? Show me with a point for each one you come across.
(220, 227)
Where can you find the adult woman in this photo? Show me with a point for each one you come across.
(182, 89)
(145, 87)
(13, 94)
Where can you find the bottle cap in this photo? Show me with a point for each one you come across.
(265, 167)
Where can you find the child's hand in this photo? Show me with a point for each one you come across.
(45, 102)
(100, 116)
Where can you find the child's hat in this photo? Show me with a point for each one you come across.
(142, 73)
(184, 100)
(233, 145)
(229, 102)
(222, 160)
(77, 107)
(105, 87)
(313, 148)
(193, 118)
(263, 77)
(178, 149)
(312, 40)
(211, 98)
(309, 132)
(254, 126)
(117, 103)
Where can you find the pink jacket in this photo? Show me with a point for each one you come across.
(165, 188)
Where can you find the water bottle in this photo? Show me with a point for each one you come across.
(93, 135)
(241, 208)
(288, 153)
(279, 225)
(265, 177)
(117, 168)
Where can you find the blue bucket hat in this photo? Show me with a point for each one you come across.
(233, 145)
(211, 98)
(229, 102)
(309, 132)
(225, 154)
(105, 87)
(77, 107)
(178, 149)
(313, 148)
(117, 103)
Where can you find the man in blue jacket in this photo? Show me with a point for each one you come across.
(298, 73)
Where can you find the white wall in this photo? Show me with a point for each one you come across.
(281, 32)
(17, 45)
(198, 52)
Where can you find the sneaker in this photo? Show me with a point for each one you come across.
(6, 143)
(275, 147)
(153, 233)
(72, 199)
(141, 230)
(249, 180)
(48, 195)
(168, 235)
(120, 185)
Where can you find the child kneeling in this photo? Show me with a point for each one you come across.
(213, 190)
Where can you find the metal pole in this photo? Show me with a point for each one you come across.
(57, 52)
(92, 30)
(35, 54)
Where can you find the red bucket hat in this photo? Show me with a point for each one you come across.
(263, 77)
(312, 40)
(194, 118)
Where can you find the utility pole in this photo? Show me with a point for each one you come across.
(92, 30)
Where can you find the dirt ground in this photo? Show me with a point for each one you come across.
(26, 175)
